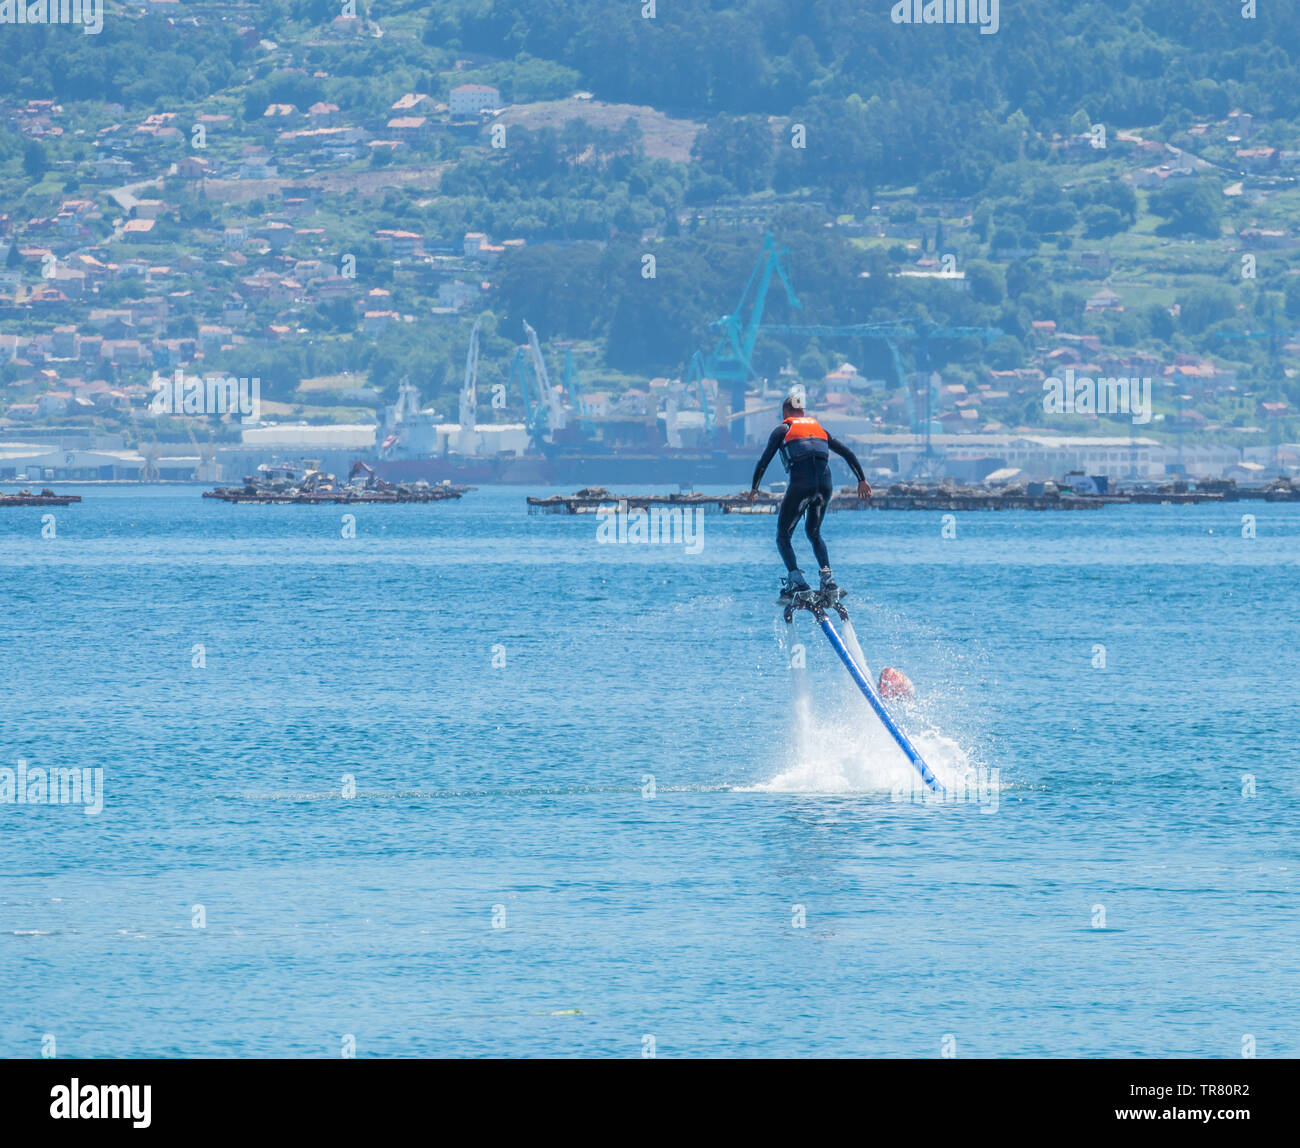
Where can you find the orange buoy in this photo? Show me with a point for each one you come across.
(896, 684)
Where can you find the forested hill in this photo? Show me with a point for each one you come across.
(886, 104)
(1124, 62)
(874, 149)
(933, 97)
(1130, 61)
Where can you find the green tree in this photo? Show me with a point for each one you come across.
(35, 162)
(1100, 221)
(1190, 208)
(1203, 306)
(812, 365)
(986, 283)
(738, 149)
(1020, 279)
(1159, 322)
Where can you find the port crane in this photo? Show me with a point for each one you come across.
(207, 469)
(544, 410)
(730, 363)
(534, 412)
(469, 394)
(550, 395)
(574, 391)
(149, 452)
(892, 334)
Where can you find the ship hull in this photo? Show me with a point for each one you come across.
(524, 470)
(653, 468)
(579, 468)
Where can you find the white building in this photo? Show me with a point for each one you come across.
(1040, 456)
(456, 294)
(34, 463)
(468, 100)
(487, 439)
(291, 437)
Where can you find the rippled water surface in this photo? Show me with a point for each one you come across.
(595, 808)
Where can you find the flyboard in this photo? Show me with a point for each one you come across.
(818, 605)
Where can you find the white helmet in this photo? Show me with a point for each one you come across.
(796, 397)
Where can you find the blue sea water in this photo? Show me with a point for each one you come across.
(507, 880)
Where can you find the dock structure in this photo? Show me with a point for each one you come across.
(1059, 495)
(264, 497)
(1174, 497)
(949, 496)
(1217, 490)
(289, 484)
(47, 497)
(942, 496)
(900, 496)
(590, 499)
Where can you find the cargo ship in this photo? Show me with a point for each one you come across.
(417, 447)
(589, 466)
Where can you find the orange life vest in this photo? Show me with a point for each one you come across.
(805, 438)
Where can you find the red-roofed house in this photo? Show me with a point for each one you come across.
(409, 128)
(323, 115)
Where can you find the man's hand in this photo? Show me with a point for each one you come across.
(864, 490)
(751, 495)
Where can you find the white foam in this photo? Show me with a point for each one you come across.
(838, 744)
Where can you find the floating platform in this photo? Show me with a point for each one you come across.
(46, 497)
(304, 484)
(323, 497)
(1216, 490)
(1266, 494)
(590, 499)
(949, 496)
(1175, 497)
(944, 496)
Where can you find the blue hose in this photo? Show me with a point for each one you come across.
(869, 692)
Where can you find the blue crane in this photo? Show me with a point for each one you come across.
(535, 416)
(893, 333)
(730, 360)
(574, 392)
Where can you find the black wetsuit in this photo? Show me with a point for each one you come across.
(809, 491)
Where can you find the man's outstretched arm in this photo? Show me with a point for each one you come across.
(848, 456)
(775, 439)
(864, 488)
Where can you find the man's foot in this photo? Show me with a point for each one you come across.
(792, 584)
(828, 581)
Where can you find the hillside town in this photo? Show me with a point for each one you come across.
(226, 239)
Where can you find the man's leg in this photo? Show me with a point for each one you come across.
(813, 523)
(787, 519)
